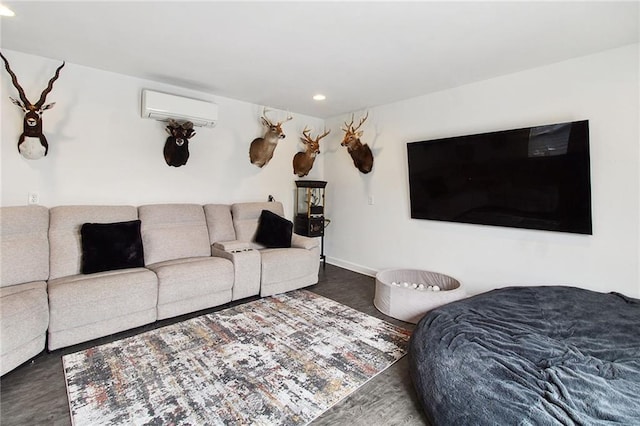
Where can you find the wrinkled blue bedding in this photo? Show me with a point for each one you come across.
(530, 356)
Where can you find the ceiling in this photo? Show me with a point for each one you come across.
(279, 54)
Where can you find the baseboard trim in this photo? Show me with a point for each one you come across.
(351, 266)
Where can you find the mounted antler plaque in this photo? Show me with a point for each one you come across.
(360, 153)
(176, 148)
(32, 143)
(261, 149)
(303, 161)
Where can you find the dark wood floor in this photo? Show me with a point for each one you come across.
(35, 393)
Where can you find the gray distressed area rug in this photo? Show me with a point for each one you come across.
(281, 360)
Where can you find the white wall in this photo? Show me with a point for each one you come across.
(602, 88)
(102, 152)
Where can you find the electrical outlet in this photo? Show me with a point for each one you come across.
(34, 198)
(370, 200)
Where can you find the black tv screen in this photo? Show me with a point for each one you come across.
(534, 178)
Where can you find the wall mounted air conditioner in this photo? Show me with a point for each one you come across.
(162, 106)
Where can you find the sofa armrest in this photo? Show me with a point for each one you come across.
(246, 267)
(232, 246)
(300, 241)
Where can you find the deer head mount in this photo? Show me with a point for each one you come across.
(261, 149)
(176, 148)
(303, 161)
(32, 144)
(360, 153)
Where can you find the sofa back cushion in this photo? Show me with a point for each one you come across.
(24, 244)
(173, 231)
(246, 217)
(64, 233)
(219, 223)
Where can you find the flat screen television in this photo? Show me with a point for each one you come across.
(534, 178)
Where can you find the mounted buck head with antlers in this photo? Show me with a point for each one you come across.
(360, 153)
(32, 143)
(176, 148)
(261, 149)
(303, 161)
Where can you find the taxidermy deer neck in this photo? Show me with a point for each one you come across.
(303, 161)
(261, 149)
(360, 153)
(176, 148)
(32, 143)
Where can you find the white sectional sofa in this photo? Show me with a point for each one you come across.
(195, 257)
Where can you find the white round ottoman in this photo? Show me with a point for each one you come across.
(405, 294)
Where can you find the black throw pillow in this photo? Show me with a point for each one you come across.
(273, 231)
(109, 246)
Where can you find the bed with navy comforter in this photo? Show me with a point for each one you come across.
(530, 355)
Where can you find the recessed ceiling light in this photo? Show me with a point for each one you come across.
(319, 97)
(5, 11)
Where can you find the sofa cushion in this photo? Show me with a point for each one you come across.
(24, 244)
(12, 289)
(185, 278)
(25, 315)
(286, 264)
(192, 284)
(300, 241)
(273, 231)
(64, 233)
(79, 300)
(110, 246)
(219, 223)
(173, 231)
(245, 219)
